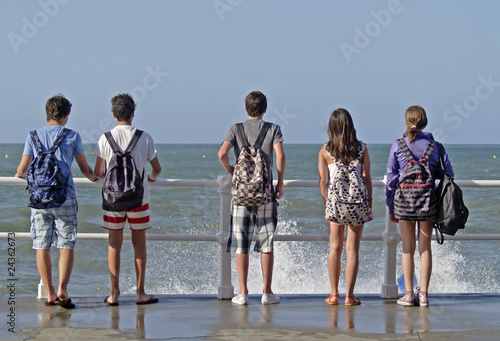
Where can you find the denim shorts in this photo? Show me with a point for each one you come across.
(249, 220)
(55, 226)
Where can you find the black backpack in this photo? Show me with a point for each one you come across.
(251, 179)
(123, 187)
(47, 185)
(415, 197)
(452, 213)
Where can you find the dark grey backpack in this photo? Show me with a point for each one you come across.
(415, 197)
(123, 187)
(452, 213)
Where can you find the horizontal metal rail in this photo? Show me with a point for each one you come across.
(390, 236)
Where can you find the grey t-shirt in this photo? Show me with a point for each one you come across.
(252, 129)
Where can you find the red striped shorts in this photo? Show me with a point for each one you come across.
(138, 219)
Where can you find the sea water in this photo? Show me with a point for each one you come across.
(300, 267)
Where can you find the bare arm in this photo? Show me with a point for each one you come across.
(81, 160)
(323, 175)
(24, 164)
(366, 175)
(280, 166)
(156, 169)
(99, 167)
(224, 156)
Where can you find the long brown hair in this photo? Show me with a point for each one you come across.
(343, 144)
(416, 120)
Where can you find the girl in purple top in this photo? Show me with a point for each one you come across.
(417, 141)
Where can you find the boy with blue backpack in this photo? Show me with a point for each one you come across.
(121, 156)
(46, 164)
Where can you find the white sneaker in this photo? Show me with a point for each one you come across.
(240, 299)
(270, 299)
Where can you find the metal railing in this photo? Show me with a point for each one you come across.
(390, 236)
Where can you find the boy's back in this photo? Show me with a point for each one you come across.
(70, 147)
(143, 151)
(252, 129)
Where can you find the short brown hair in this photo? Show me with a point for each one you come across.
(122, 106)
(57, 107)
(255, 103)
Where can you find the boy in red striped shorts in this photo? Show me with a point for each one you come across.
(123, 107)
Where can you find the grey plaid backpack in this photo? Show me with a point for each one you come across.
(123, 187)
(252, 185)
(415, 196)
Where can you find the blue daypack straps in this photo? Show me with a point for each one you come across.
(57, 143)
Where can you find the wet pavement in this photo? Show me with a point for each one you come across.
(297, 317)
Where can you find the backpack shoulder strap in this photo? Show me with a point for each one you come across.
(405, 150)
(428, 150)
(36, 141)
(240, 132)
(262, 135)
(335, 161)
(59, 140)
(112, 142)
(357, 161)
(441, 155)
(133, 141)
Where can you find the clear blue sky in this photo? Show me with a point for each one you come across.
(189, 65)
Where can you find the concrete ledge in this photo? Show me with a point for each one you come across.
(297, 317)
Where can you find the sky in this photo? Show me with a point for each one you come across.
(190, 63)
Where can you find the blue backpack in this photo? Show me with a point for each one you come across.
(123, 187)
(47, 185)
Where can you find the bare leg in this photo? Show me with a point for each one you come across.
(140, 256)
(335, 255)
(267, 263)
(354, 234)
(44, 266)
(66, 261)
(424, 248)
(408, 237)
(242, 267)
(115, 242)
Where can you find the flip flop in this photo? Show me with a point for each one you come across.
(353, 300)
(151, 300)
(329, 299)
(48, 304)
(109, 303)
(67, 304)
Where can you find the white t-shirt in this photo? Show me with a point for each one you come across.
(143, 151)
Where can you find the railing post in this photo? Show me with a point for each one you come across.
(391, 237)
(41, 290)
(226, 289)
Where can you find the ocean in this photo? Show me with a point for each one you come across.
(300, 267)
